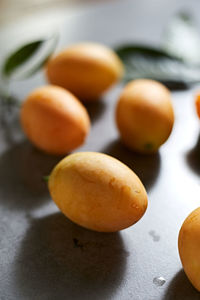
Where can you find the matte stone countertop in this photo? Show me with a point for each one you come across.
(44, 256)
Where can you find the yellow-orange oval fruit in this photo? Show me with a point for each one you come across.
(144, 115)
(189, 247)
(54, 120)
(97, 191)
(87, 70)
(197, 103)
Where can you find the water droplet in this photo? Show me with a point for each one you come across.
(151, 232)
(159, 281)
(155, 236)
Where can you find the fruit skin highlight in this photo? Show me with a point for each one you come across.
(189, 247)
(97, 191)
(54, 120)
(144, 115)
(197, 104)
(87, 70)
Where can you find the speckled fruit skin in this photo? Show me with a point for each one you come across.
(197, 103)
(54, 120)
(189, 247)
(87, 70)
(144, 115)
(97, 191)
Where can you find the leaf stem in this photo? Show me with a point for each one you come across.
(46, 178)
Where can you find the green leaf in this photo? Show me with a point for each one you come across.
(181, 39)
(142, 61)
(19, 57)
(30, 58)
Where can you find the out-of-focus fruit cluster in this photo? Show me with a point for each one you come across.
(92, 189)
(56, 122)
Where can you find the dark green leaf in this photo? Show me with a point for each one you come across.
(19, 57)
(29, 59)
(40, 59)
(147, 62)
(181, 38)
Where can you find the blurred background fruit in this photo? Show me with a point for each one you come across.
(87, 70)
(54, 120)
(197, 103)
(145, 115)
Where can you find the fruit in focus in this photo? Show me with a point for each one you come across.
(189, 247)
(54, 120)
(87, 70)
(97, 191)
(144, 115)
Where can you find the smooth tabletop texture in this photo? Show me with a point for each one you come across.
(45, 256)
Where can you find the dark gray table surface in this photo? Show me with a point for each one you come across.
(45, 256)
